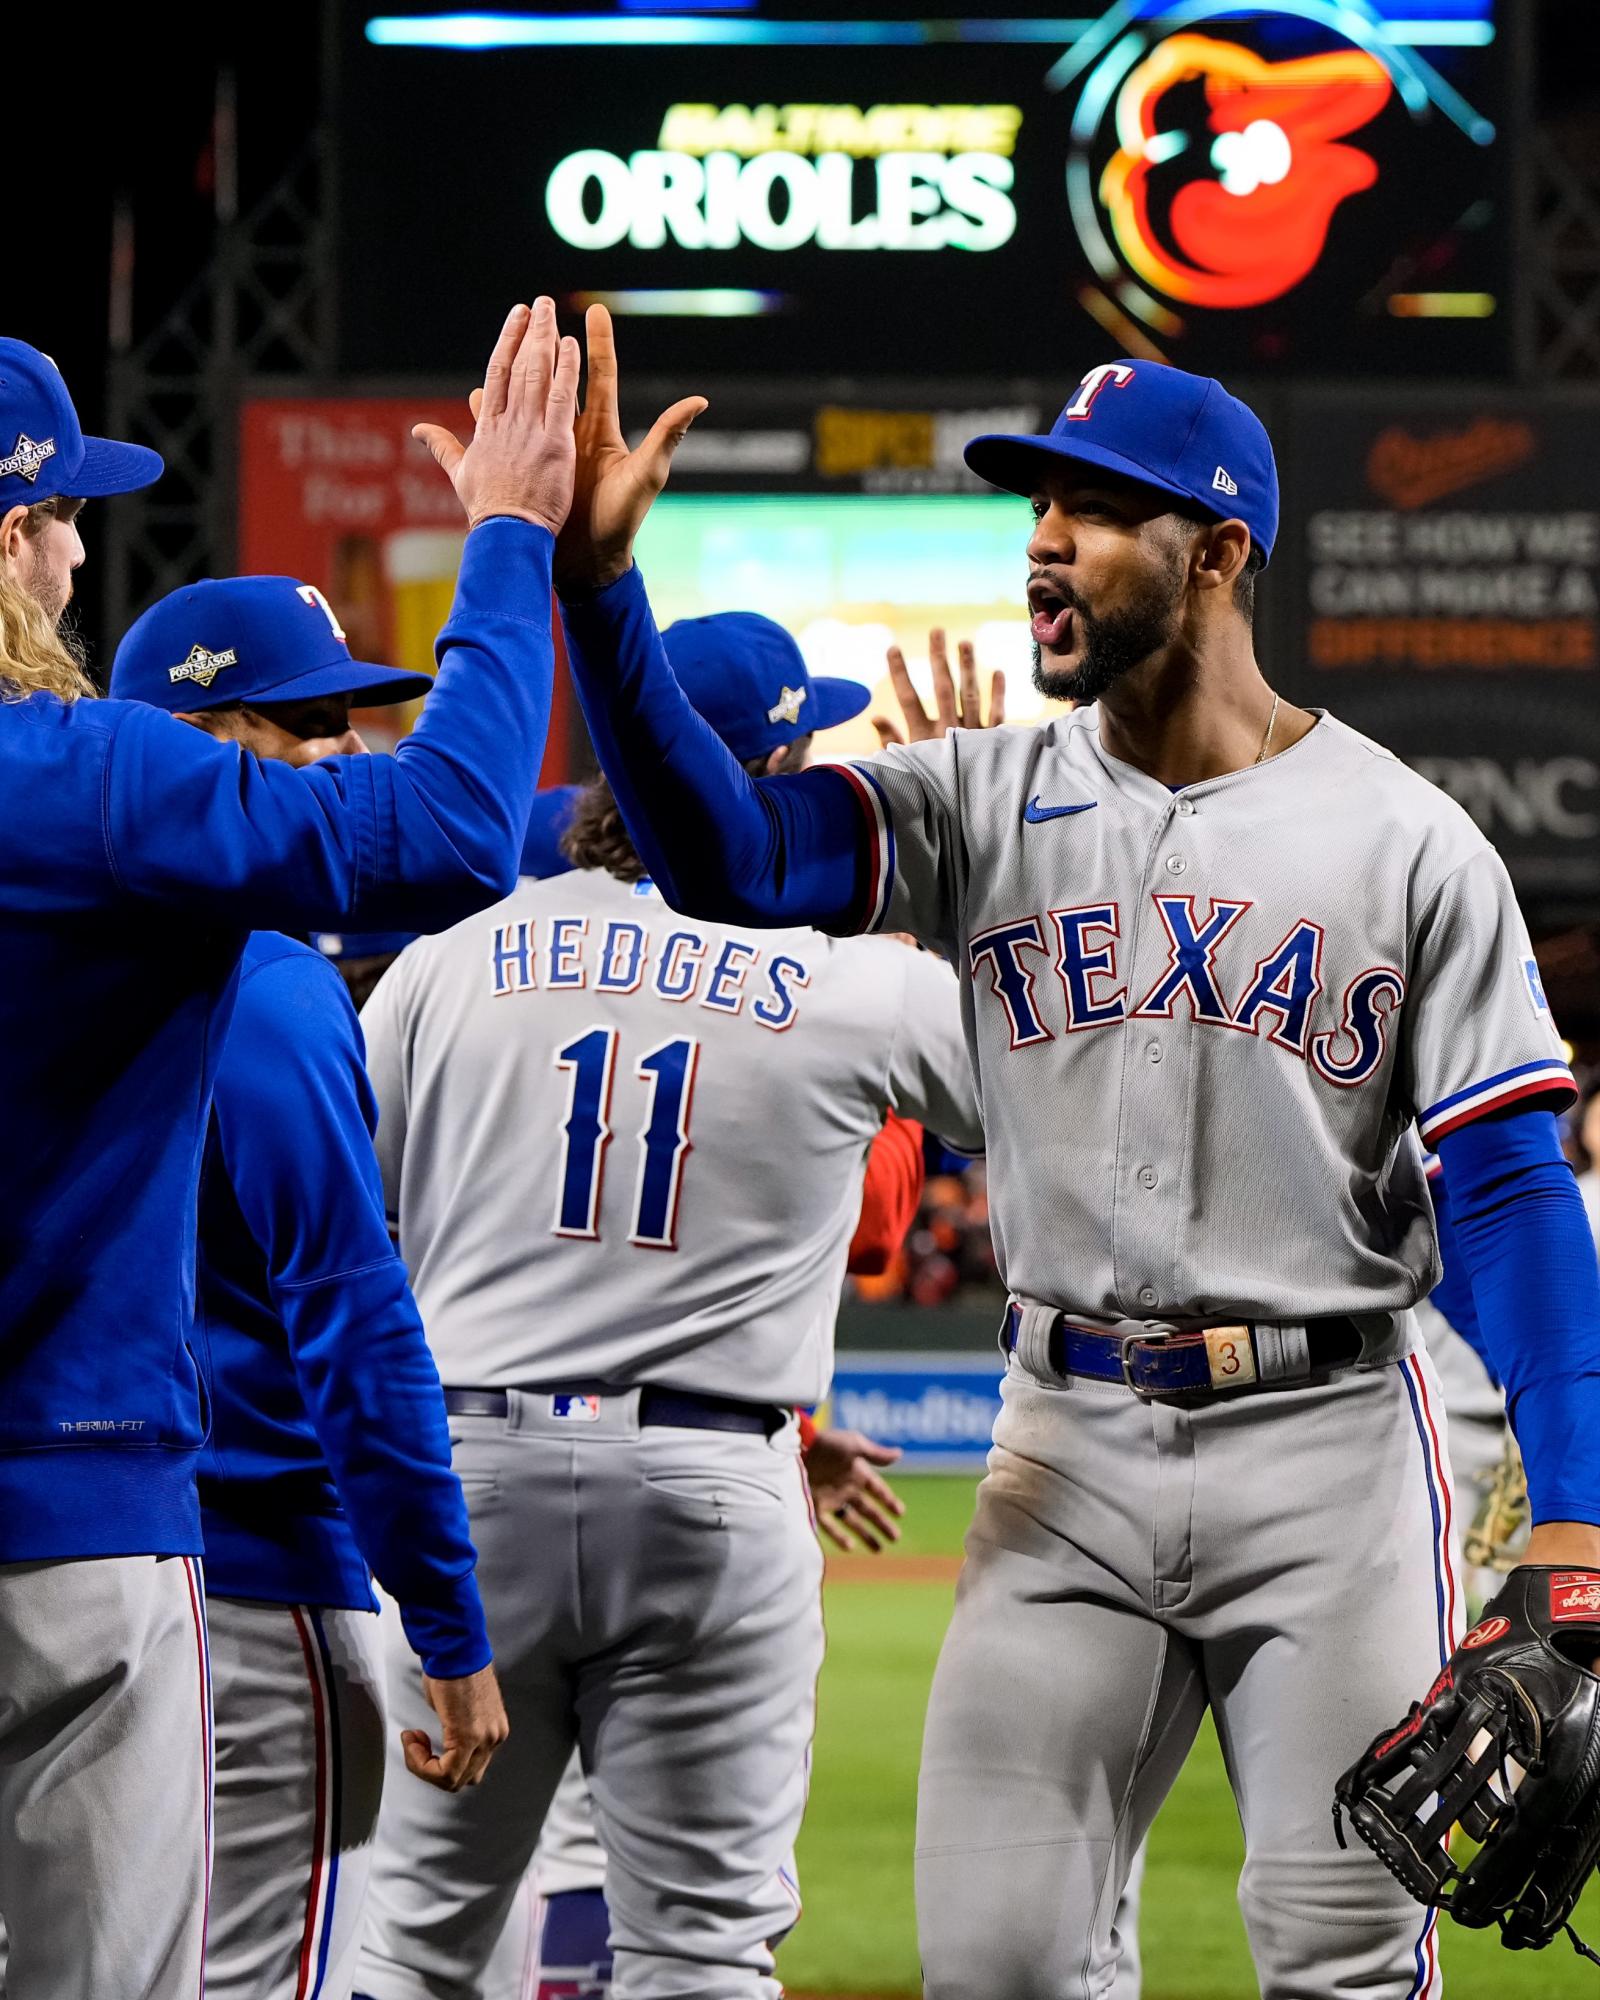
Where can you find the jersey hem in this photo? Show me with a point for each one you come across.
(83, 1501)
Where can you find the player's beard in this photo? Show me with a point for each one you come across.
(52, 597)
(1112, 643)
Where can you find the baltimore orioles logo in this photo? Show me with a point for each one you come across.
(1245, 219)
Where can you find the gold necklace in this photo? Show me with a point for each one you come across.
(1261, 754)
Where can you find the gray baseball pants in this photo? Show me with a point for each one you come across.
(105, 1778)
(1283, 1556)
(298, 1693)
(655, 1595)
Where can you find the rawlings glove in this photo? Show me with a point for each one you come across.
(1506, 1746)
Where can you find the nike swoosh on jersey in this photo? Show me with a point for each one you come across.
(1036, 814)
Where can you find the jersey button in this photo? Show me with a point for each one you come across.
(1176, 864)
(1148, 1177)
(1147, 1296)
(1153, 1051)
(1186, 807)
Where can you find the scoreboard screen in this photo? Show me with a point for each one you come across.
(1319, 185)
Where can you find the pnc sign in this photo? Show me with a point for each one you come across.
(833, 176)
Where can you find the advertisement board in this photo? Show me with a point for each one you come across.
(938, 1408)
(1442, 558)
(1315, 184)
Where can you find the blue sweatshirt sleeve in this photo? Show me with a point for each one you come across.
(295, 1119)
(1523, 1236)
(414, 841)
(718, 843)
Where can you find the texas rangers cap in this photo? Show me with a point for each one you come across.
(43, 451)
(250, 639)
(1182, 434)
(748, 678)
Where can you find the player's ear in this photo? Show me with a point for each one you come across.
(13, 527)
(1220, 555)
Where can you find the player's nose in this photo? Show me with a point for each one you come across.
(1051, 540)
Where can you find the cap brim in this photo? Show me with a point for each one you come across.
(1014, 464)
(109, 467)
(361, 944)
(368, 686)
(834, 700)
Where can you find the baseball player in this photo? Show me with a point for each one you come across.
(1218, 954)
(135, 858)
(328, 1447)
(625, 1153)
(555, 1944)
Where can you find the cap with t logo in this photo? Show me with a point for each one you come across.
(1182, 434)
(249, 639)
(43, 451)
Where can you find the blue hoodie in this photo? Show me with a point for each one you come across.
(309, 1336)
(136, 856)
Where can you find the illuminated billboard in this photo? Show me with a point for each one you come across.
(1319, 184)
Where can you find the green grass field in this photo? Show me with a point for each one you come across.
(858, 1936)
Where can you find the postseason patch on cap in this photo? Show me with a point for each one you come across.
(27, 457)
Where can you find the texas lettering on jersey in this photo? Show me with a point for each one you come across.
(666, 958)
(1212, 971)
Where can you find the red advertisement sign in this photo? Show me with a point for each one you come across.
(334, 490)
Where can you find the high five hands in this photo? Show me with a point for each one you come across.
(955, 705)
(535, 456)
(520, 461)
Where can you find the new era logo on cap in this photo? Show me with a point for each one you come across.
(1222, 482)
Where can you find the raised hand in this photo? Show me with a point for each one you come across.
(614, 487)
(955, 707)
(520, 460)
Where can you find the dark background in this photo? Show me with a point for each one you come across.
(122, 106)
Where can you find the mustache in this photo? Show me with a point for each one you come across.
(1071, 598)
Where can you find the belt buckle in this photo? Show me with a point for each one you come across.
(1129, 1342)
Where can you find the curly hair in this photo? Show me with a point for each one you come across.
(35, 656)
(597, 838)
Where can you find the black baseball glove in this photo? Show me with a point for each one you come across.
(1505, 1745)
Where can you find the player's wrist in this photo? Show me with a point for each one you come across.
(1563, 1545)
(578, 580)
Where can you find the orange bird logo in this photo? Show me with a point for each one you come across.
(1255, 224)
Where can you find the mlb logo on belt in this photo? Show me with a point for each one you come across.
(576, 1409)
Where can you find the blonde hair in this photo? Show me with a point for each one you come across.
(35, 658)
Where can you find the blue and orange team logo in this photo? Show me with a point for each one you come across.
(1266, 171)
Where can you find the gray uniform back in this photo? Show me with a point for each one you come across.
(1203, 1022)
(625, 1145)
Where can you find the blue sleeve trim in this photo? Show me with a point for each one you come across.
(1549, 1077)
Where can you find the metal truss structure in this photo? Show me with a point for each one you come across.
(264, 305)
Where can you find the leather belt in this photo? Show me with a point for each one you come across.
(1201, 1361)
(679, 1409)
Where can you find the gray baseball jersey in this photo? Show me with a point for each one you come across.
(1202, 1022)
(579, 1082)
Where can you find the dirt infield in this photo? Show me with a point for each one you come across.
(890, 1569)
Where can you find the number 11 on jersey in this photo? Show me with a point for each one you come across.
(590, 1063)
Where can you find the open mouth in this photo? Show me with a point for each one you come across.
(1052, 620)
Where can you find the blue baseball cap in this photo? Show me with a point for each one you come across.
(1182, 434)
(748, 678)
(250, 639)
(43, 451)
